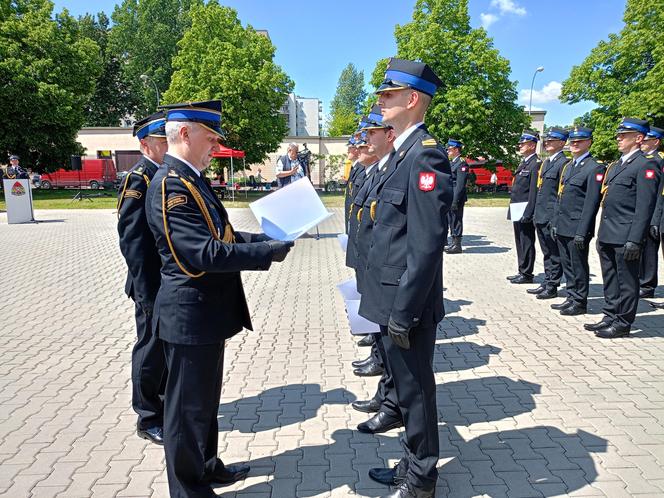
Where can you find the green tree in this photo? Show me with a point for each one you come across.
(347, 104)
(144, 39)
(477, 101)
(624, 76)
(219, 59)
(47, 74)
(112, 99)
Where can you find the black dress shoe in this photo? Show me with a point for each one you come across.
(612, 332)
(548, 293)
(512, 277)
(592, 327)
(371, 370)
(573, 310)
(153, 434)
(537, 290)
(646, 293)
(408, 490)
(522, 279)
(367, 340)
(228, 474)
(390, 477)
(561, 306)
(380, 422)
(658, 306)
(362, 363)
(370, 406)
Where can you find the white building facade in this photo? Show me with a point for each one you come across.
(304, 116)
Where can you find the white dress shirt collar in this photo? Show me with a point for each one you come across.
(404, 136)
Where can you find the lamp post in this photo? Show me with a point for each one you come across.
(532, 84)
(145, 78)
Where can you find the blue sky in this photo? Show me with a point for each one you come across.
(315, 39)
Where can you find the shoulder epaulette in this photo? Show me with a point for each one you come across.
(172, 172)
(661, 154)
(650, 156)
(140, 169)
(429, 142)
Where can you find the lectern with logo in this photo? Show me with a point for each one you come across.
(18, 198)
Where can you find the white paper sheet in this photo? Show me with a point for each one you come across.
(343, 241)
(290, 211)
(516, 210)
(358, 324)
(348, 290)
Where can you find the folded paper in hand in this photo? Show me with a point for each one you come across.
(343, 241)
(358, 324)
(516, 211)
(290, 211)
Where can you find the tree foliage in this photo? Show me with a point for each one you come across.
(112, 99)
(47, 76)
(477, 101)
(624, 76)
(144, 39)
(347, 104)
(219, 59)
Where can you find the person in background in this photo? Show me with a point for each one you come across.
(288, 167)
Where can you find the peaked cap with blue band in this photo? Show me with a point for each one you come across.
(453, 142)
(580, 133)
(529, 136)
(361, 141)
(352, 142)
(555, 133)
(14, 156)
(655, 133)
(402, 74)
(152, 126)
(206, 113)
(374, 120)
(633, 125)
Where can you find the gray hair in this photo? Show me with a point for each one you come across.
(292, 146)
(173, 130)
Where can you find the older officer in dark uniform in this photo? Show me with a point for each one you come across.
(524, 189)
(403, 285)
(648, 269)
(148, 365)
(548, 175)
(574, 223)
(201, 301)
(380, 138)
(459, 180)
(629, 193)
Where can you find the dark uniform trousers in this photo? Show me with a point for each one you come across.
(629, 202)
(553, 270)
(200, 304)
(524, 189)
(137, 244)
(649, 257)
(459, 170)
(403, 282)
(576, 268)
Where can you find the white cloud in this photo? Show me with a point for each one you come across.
(508, 7)
(549, 93)
(488, 19)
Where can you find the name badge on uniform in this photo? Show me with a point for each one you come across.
(650, 174)
(427, 182)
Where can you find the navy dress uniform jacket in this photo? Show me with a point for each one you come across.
(459, 169)
(657, 216)
(359, 196)
(579, 198)
(404, 278)
(137, 242)
(548, 176)
(201, 299)
(524, 186)
(351, 189)
(630, 190)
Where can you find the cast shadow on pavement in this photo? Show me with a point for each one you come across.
(534, 461)
(456, 356)
(278, 407)
(479, 244)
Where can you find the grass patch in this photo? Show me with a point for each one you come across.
(107, 199)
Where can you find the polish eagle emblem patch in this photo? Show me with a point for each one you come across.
(427, 182)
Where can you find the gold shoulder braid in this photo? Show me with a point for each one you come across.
(561, 184)
(359, 214)
(350, 210)
(539, 176)
(125, 191)
(372, 210)
(605, 182)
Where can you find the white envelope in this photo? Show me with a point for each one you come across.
(348, 290)
(516, 210)
(358, 324)
(343, 241)
(291, 211)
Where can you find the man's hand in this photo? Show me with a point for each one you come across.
(654, 232)
(147, 308)
(279, 249)
(632, 251)
(554, 233)
(579, 242)
(398, 334)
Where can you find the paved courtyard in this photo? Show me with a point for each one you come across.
(529, 403)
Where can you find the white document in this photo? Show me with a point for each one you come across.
(358, 324)
(291, 211)
(343, 241)
(18, 198)
(348, 290)
(516, 210)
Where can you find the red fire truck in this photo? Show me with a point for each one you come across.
(95, 173)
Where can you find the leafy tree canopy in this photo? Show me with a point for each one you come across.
(346, 106)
